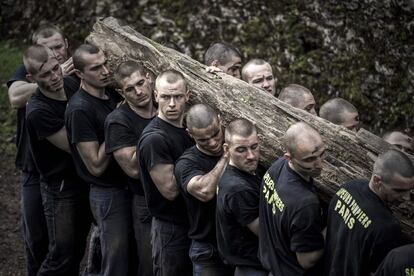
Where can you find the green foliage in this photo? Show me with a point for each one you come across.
(10, 58)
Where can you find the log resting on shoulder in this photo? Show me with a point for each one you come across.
(349, 155)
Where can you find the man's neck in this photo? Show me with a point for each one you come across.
(146, 112)
(58, 95)
(307, 178)
(177, 123)
(207, 152)
(94, 91)
(232, 164)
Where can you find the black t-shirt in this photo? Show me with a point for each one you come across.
(290, 220)
(24, 159)
(237, 206)
(162, 143)
(123, 127)
(399, 262)
(46, 116)
(201, 214)
(84, 120)
(361, 231)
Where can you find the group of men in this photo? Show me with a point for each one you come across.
(172, 192)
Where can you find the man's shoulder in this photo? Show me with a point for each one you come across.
(116, 116)
(79, 101)
(191, 155)
(18, 75)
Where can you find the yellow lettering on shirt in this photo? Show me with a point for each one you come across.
(349, 210)
(271, 196)
(409, 271)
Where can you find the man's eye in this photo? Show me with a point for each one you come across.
(129, 89)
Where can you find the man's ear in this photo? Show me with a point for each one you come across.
(376, 181)
(156, 95)
(78, 73)
(287, 156)
(66, 43)
(120, 92)
(187, 95)
(189, 133)
(226, 148)
(30, 78)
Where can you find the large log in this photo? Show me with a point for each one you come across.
(349, 155)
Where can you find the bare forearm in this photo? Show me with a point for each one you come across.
(20, 92)
(204, 187)
(127, 160)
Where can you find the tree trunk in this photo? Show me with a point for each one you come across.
(349, 155)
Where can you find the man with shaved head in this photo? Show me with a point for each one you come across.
(84, 120)
(225, 57)
(237, 211)
(400, 140)
(298, 96)
(162, 142)
(123, 127)
(340, 112)
(197, 172)
(64, 194)
(361, 227)
(291, 240)
(259, 73)
(20, 89)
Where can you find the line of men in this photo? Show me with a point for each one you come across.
(193, 204)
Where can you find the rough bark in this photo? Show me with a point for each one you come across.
(349, 155)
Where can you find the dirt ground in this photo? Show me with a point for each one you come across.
(11, 244)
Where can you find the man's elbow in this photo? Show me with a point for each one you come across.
(309, 260)
(206, 196)
(96, 171)
(171, 194)
(16, 103)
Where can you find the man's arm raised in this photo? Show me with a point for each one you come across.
(19, 93)
(204, 187)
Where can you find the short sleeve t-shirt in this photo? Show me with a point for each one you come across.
(45, 117)
(399, 262)
(123, 127)
(24, 159)
(361, 231)
(237, 206)
(201, 215)
(84, 120)
(290, 219)
(162, 143)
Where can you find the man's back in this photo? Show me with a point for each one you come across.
(290, 219)
(361, 231)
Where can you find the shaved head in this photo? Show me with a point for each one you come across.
(200, 116)
(250, 64)
(126, 69)
(299, 135)
(170, 77)
(221, 52)
(391, 163)
(240, 127)
(337, 111)
(298, 96)
(400, 140)
(35, 57)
